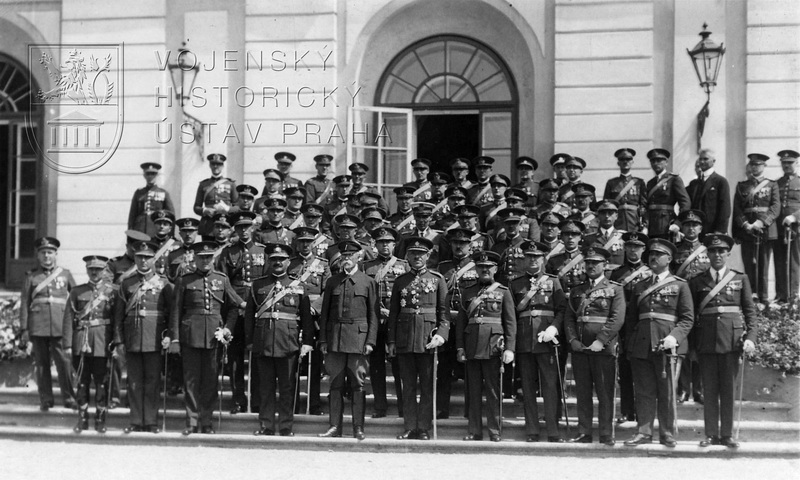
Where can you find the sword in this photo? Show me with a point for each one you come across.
(674, 364)
(614, 392)
(561, 384)
(249, 380)
(741, 393)
(296, 385)
(164, 393)
(789, 263)
(502, 345)
(755, 261)
(223, 362)
(435, 376)
(308, 393)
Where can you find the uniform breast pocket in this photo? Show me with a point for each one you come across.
(290, 300)
(491, 305)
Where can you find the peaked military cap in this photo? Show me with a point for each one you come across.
(277, 250)
(51, 243)
(694, 216)
(137, 236)
(551, 218)
(384, 233)
(635, 238)
(661, 245)
(216, 158)
(419, 243)
(516, 194)
(275, 203)
(596, 253)
(583, 189)
(625, 153)
(150, 167)
(459, 162)
(312, 210)
(346, 220)
(533, 248)
(163, 216)
(404, 192)
(305, 233)
(572, 226)
(468, 210)
(460, 235)
(548, 184)
(244, 218)
(718, 240)
(757, 159)
(187, 223)
(658, 154)
(486, 257)
(358, 167)
(285, 157)
(95, 261)
(607, 205)
(511, 214)
(576, 162)
(456, 191)
(375, 213)
(348, 246)
(145, 249)
(247, 190)
(788, 155)
(222, 219)
(423, 208)
(294, 192)
(369, 198)
(323, 159)
(559, 158)
(526, 162)
(421, 162)
(439, 178)
(482, 160)
(500, 178)
(204, 248)
(273, 174)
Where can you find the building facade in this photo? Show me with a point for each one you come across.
(379, 81)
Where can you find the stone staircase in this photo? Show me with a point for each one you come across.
(767, 429)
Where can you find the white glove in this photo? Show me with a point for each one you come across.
(436, 341)
(749, 346)
(674, 228)
(548, 335)
(644, 230)
(305, 349)
(223, 335)
(758, 225)
(508, 356)
(670, 342)
(790, 219)
(165, 342)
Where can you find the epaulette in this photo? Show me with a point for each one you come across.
(518, 277)
(436, 273)
(220, 273)
(736, 271)
(230, 179)
(680, 279)
(550, 275)
(611, 267)
(259, 244)
(614, 282)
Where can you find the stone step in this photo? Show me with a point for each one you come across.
(389, 427)
(375, 444)
(751, 411)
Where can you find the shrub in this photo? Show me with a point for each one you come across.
(778, 344)
(10, 331)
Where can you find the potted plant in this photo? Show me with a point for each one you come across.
(16, 364)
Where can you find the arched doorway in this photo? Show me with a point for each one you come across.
(464, 99)
(20, 171)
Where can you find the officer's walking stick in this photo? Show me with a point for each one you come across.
(249, 381)
(789, 263)
(614, 390)
(675, 367)
(742, 364)
(561, 384)
(296, 384)
(435, 376)
(308, 390)
(223, 362)
(502, 345)
(756, 261)
(164, 393)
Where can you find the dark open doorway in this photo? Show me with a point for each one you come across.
(441, 138)
(4, 187)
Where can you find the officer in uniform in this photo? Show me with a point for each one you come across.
(206, 309)
(632, 271)
(285, 161)
(539, 302)
(273, 179)
(121, 267)
(423, 211)
(276, 318)
(420, 167)
(89, 331)
(487, 218)
(787, 255)
(309, 265)
(486, 332)
(319, 187)
(371, 218)
(558, 162)
(215, 195)
(607, 235)
(164, 239)
(756, 206)
(628, 191)
(403, 196)
(347, 225)
(725, 326)
(439, 182)
(141, 311)
(293, 217)
(312, 218)
(574, 169)
(526, 166)
(480, 193)
(147, 200)
(568, 265)
(385, 268)
(273, 230)
(551, 235)
(242, 262)
(348, 333)
(446, 217)
(664, 191)
(595, 315)
(582, 201)
(510, 251)
(548, 200)
(659, 318)
(459, 273)
(41, 321)
(419, 323)
(459, 167)
(468, 218)
(337, 203)
(247, 197)
(528, 226)
(181, 260)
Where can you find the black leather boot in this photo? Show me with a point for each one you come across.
(100, 420)
(83, 419)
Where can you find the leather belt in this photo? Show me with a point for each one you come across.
(716, 310)
(484, 320)
(660, 207)
(350, 320)
(658, 316)
(592, 319)
(418, 311)
(200, 311)
(48, 301)
(242, 284)
(536, 313)
(756, 209)
(628, 206)
(94, 323)
(278, 316)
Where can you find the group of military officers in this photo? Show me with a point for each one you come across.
(506, 279)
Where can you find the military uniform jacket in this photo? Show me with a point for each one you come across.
(314, 283)
(632, 205)
(560, 208)
(349, 317)
(789, 188)
(458, 277)
(277, 330)
(274, 234)
(204, 303)
(180, 262)
(147, 200)
(728, 319)
(480, 330)
(475, 190)
(750, 205)
(528, 228)
(315, 186)
(117, 266)
(628, 275)
(589, 219)
(538, 310)
(532, 189)
(289, 217)
(696, 266)
(388, 275)
(161, 265)
(363, 188)
(487, 218)
(243, 263)
(661, 203)
(611, 241)
(445, 220)
(418, 308)
(210, 192)
(42, 312)
(289, 181)
(511, 258)
(141, 311)
(434, 236)
(595, 312)
(88, 318)
(667, 310)
(398, 217)
(567, 196)
(572, 277)
(416, 185)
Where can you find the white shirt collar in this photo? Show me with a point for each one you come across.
(707, 173)
(717, 275)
